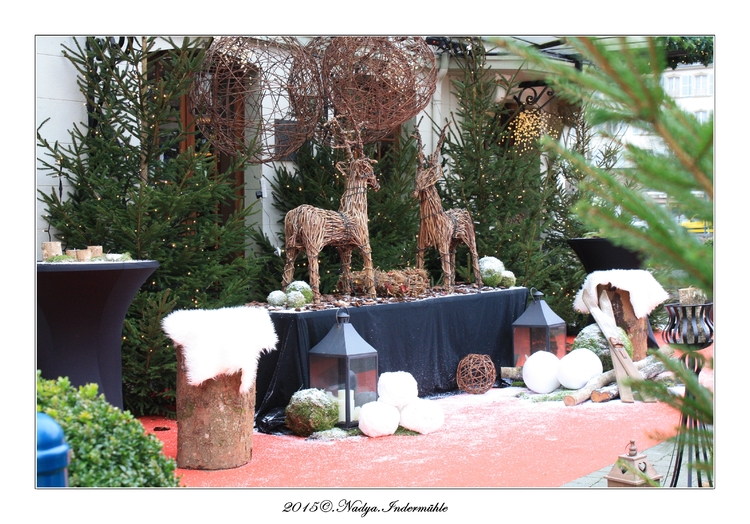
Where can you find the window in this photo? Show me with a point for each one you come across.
(687, 85)
(672, 85)
(704, 85)
(702, 116)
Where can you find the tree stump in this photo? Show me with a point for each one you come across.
(214, 421)
(636, 328)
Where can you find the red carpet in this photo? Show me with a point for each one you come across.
(491, 440)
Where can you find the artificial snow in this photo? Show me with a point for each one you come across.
(578, 367)
(379, 419)
(540, 372)
(422, 415)
(397, 388)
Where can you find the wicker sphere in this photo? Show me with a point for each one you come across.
(378, 82)
(476, 374)
(264, 89)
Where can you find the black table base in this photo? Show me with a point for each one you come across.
(80, 311)
(426, 338)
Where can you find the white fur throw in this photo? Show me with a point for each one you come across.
(221, 341)
(645, 292)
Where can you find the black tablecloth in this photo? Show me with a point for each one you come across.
(80, 309)
(426, 338)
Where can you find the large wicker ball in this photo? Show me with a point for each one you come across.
(262, 92)
(311, 410)
(379, 82)
(476, 373)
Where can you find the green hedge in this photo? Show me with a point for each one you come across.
(110, 448)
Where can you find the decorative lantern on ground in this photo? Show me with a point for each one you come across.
(345, 366)
(538, 329)
(632, 470)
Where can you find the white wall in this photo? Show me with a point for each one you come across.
(59, 100)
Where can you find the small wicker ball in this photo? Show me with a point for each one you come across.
(476, 373)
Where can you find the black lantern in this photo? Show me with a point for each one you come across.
(538, 329)
(345, 366)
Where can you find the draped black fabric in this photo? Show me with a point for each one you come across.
(426, 338)
(83, 341)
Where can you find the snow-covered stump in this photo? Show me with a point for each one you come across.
(217, 362)
(214, 421)
(634, 293)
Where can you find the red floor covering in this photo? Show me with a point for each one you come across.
(491, 440)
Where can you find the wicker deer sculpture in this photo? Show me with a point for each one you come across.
(438, 228)
(310, 229)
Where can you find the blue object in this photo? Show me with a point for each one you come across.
(52, 453)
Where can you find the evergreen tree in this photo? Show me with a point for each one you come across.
(622, 86)
(140, 186)
(520, 209)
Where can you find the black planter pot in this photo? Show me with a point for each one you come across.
(599, 254)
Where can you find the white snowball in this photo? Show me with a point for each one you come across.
(378, 419)
(578, 367)
(540, 372)
(422, 415)
(397, 388)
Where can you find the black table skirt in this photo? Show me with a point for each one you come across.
(80, 308)
(426, 338)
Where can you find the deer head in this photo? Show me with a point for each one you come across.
(429, 170)
(358, 165)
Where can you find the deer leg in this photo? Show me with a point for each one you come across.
(453, 266)
(369, 270)
(291, 256)
(475, 264)
(445, 262)
(346, 270)
(474, 259)
(312, 266)
(420, 252)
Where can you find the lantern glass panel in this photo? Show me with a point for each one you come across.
(521, 345)
(350, 381)
(557, 340)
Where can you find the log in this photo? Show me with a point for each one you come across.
(214, 421)
(511, 373)
(636, 328)
(583, 394)
(612, 392)
(605, 379)
(606, 393)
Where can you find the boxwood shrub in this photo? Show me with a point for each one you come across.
(110, 448)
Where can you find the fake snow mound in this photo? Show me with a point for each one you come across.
(399, 404)
(378, 419)
(423, 416)
(397, 388)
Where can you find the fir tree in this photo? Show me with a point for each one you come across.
(140, 186)
(622, 86)
(521, 211)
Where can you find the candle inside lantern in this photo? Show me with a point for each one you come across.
(342, 404)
